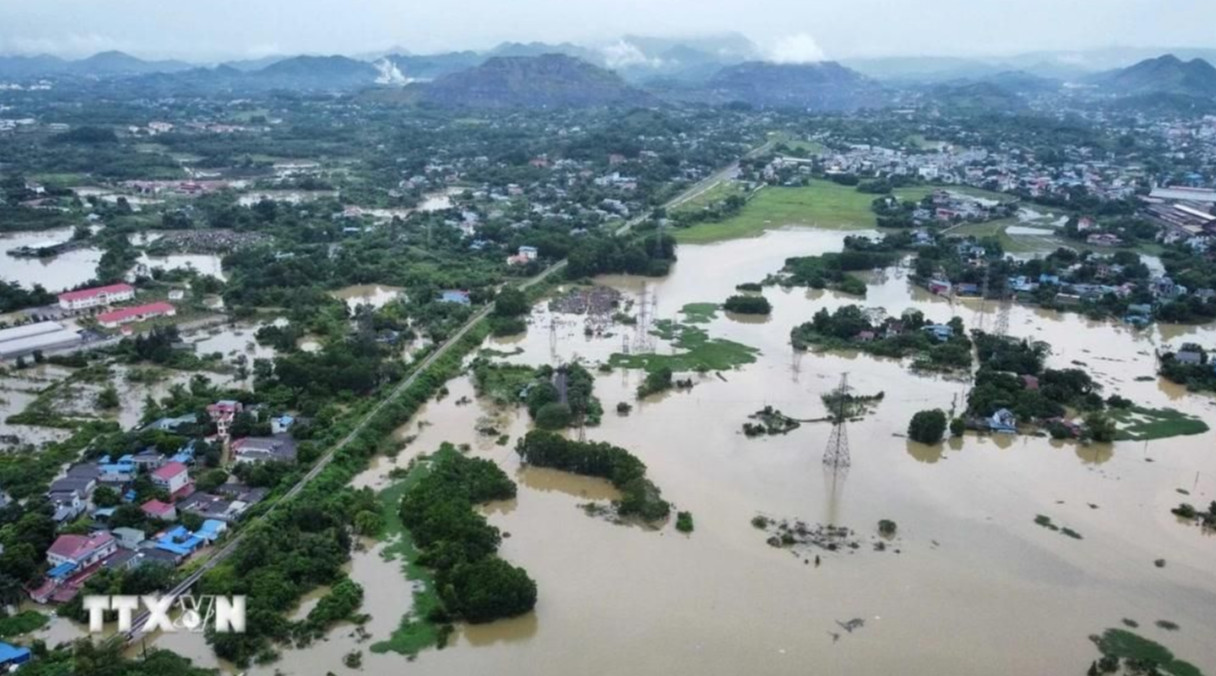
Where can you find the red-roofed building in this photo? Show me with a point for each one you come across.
(160, 510)
(172, 477)
(222, 414)
(96, 297)
(138, 313)
(81, 550)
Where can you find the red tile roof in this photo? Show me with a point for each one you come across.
(156, 508)
(128, 312)
(169, 470)
(96, 291)
(76, 547)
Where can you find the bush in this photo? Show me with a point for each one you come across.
(749, 286)
(957, 427)
(554, 416)
(624, 408)
(927, 427)
(684, 522)
(748, 305)
(886, 527)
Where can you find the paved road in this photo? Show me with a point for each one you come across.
(137, 626)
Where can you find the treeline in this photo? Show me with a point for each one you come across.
(850, 327)
(457, 542)
(639, 496)
(830, 269)
(1012, 376)
(271, 565)
(1197, 373)
(651, 255)
(748, 305)
(15, 297)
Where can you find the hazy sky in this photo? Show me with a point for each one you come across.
(210, 29)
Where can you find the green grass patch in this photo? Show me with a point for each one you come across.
(699, 313)
(1123, 644)
(717, 193)
(1140, 423)
(415, 632)
(822, 204)
(22, 623)
(696, 351)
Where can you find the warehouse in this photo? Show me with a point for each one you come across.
(22, 341)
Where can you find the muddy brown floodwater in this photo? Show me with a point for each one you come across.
(976, 588)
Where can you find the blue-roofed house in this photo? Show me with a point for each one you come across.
(454, 296)
(211, 530)
(1049, 279)
(13, 655)
(939, 331)
(1003, 421)
(179, 542)
(281, 424)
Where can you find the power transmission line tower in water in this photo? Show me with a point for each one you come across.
(836, 456)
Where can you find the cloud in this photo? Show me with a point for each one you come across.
(798, 48)
(622, 54)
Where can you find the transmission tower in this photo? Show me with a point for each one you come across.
(837, 454)
(983, 313)
(553, 338)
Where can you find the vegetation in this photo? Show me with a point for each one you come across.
(851, 327)
(696, 351)
(770, 421)
(928, 427)
(1138, 654)
(639, 497)
(684, 522)
(1206, 519)
(748, 305)
(887, 528)
(457, 542)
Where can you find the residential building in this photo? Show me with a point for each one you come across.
(156, 509)
(81, 551)
(128, 538)
(278, 448)
(139, 313)
(173, 477)
(100, 296)
(222, 414)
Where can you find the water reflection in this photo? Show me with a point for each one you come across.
(550, 480)
(1093, 454)
(503, 631)
(924, 452)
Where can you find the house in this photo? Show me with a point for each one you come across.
(171, 424)
(865, 337)
(939, 331)
(228, 504)
(939, 287)
(179, 542)
(281, 424)
(156, 509)
(211, 530)
(173, 477)
(139, 313)
(277, 448)
(119, 472)
(81, 551)
(100, 296)
(12, 656)
(1189, 357)
(123, 559)
(128, 538)
(454, 296)
(1003, 421)
(968, 289)
(1030, 382)
(526, 255)
(222, 414)
(1103, 239)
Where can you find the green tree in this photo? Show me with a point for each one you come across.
(511, 302)
(927, 427)
(108, 398)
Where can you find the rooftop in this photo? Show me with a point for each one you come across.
(96, 291)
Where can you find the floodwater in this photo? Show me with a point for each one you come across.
(207, 264)
(288, 196)
(376, 295)
(976, 586)
(231, 340)
(57, 273)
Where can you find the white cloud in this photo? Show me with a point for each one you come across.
(623, 54)
(798, 48)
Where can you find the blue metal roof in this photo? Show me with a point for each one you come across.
(13, 654)
(62, 570)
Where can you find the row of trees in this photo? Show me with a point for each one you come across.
(639, 496)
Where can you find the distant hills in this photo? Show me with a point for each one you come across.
(1163, 75)
(826, 86)
(640, 70)
(545, 81)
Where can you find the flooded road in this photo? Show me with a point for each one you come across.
(976, 586)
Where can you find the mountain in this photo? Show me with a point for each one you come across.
(1163, 75)
(825, 86)
(30, 66)
(120, 63)
(540, 49)
(546, 81)
(983, 96)
(675, 60)
(316, 72)
(430, 66)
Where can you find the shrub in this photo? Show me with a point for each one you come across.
(957, 427)
(684, 522)
(886, 527)
(927, 427)
(748, 305)
(554, 416)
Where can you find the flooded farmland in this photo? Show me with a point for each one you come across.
(54, 273)
(974, 580)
